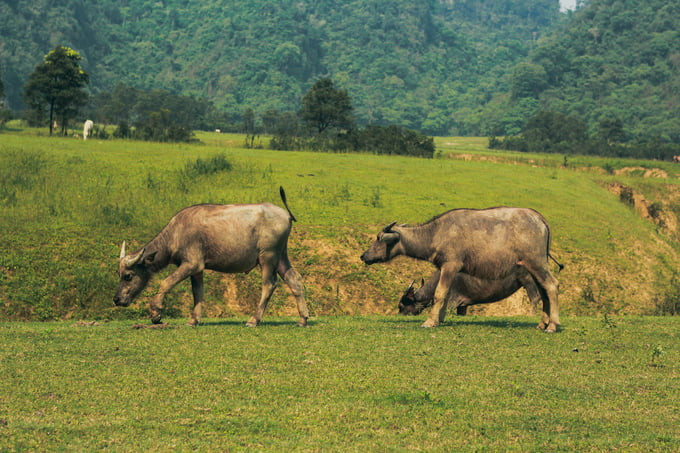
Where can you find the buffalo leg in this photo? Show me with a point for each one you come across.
(548, 287)
(441, 294)
(535, 297)
(197, 290)
(294, 282)
(268, 285)
(182, 272)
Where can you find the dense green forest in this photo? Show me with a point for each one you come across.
(617, 59)
(413, 64)
(469, 67)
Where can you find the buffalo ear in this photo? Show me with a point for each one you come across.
(148, 259)
(389, 238)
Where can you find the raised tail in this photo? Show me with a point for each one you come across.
(285, 203)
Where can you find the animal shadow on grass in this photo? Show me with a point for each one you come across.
(241, 322)
(480, 321)
(500, 323)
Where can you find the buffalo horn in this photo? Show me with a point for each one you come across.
(410, 287)
(134, 259)
(122, 250)
(389, 227)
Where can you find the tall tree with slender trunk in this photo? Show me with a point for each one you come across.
(325, 107)
(58, 85)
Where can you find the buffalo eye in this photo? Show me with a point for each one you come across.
(127, 277)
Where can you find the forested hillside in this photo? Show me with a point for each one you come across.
(617, 59)
(469, 67)
(424, 65)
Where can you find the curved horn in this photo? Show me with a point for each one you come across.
(388, 228)
(410, 287)
(134, 259)
(422, 282)
(122, 250)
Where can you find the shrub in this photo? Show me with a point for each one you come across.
(214, 164)
(395, 140)
(668, 303)
(201, 167)
(626, 196)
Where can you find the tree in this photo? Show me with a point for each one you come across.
(4, 113)
(58, 83)
(610, 130)
(325, 107)
(249, 127)
(528, 80)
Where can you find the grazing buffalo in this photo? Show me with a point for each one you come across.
(504, 244)
(467, 290)
(223, 238)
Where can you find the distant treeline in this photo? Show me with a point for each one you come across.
(325, 122)
(552, 132)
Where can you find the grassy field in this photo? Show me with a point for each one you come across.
(347, 383)
(67, 205)
(370, 381)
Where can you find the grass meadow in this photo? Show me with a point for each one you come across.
(76, 375)
(347, 383)
(67, 205)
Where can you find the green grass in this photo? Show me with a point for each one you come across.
(376, 383)
(608, 381)
(66, 205)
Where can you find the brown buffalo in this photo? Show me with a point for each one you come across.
(487, 244)
(223, 238)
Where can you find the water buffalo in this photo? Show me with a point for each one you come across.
(467, 290)
(487, 244)
(223, 238)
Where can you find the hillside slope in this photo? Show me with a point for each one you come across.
(617, 59)
(60, 241)
(425, 65)
(474, 67)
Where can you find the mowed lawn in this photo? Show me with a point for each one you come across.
(343, 384)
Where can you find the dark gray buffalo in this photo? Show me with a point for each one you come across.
(509, 246)
(223, 238)
(467, 290)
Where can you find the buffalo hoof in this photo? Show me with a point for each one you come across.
(155, 320)
(252, 322)
(302, 323)
(194, 322)
(427, 325)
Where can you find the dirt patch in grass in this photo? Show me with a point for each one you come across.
(645, 172)
(652, 211)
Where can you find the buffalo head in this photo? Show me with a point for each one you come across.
(134, 275)
(409, 303)
(381, 249)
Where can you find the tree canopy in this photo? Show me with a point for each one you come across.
(57, 84)
(424, 65)
(326, 107)
(472, 67)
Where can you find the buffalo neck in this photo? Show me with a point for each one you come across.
(416, 241)
(159, 245)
